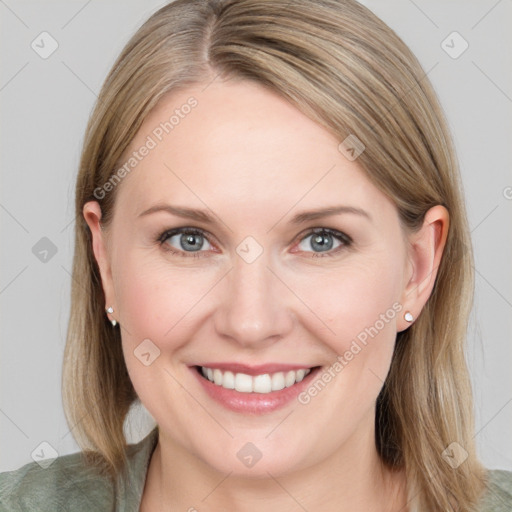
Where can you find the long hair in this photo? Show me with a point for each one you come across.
(344, 68)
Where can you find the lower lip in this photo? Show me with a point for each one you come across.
(253, 403)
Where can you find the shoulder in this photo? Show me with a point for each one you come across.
(498, 494)
(68, 483)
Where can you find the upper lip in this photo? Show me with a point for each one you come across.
(259, 369)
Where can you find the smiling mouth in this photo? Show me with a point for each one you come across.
(243, 383)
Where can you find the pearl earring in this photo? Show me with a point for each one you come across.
(408, 316)
(110, 310)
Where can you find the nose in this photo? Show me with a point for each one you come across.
(254, 306)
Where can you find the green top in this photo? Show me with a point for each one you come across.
(67, 484)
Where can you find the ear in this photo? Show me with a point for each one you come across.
(425, 251)
(92, 215)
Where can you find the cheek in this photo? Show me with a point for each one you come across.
(156, 302)
(154, 297)
(357, 302)
(360, 304)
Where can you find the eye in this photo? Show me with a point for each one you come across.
(189, 242)
(185, 240)
(324, 240)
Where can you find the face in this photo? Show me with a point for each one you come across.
(252, 291)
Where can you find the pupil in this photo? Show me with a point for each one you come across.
(190, 241)
(324, 242)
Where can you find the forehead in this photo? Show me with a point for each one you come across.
(238, 144)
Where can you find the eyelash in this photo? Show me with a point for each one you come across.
(163, 237)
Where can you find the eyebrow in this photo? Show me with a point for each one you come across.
(204, 216)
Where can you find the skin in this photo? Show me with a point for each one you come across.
(253, 161)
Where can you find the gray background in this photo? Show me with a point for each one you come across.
(45, 106)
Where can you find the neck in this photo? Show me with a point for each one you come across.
(349, 480)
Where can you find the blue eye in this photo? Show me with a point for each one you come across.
(322, 241)
(186, 240)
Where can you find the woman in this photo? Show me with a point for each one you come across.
(277, 261)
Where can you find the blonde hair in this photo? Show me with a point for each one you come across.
(346, 69)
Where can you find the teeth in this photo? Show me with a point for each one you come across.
(244, 383)
(289, 379)
(228, 380)
(262, 383)
(217, 377)
(300, 375)
(277, 381)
